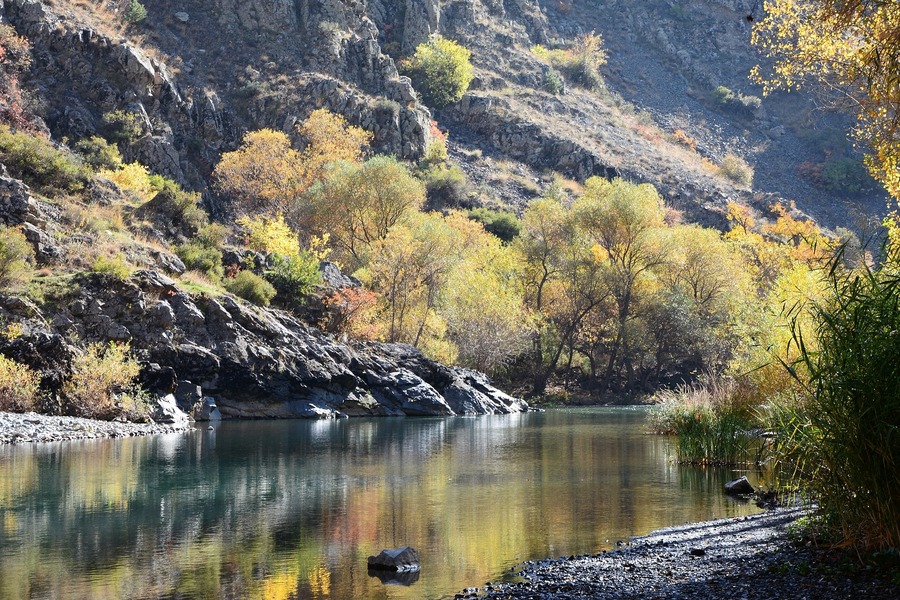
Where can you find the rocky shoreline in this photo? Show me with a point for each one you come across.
(16, 428)
(746, 557)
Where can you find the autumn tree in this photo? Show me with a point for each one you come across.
(626, 223)
(266, 174)
(358, 204)
(850, 49)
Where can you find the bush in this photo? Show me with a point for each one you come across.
(201, 257)
(736, 102)
(502, 224)
(102, 384)
(251, 287)
(270, 235)
(294, 277)
(180, 209)
(580, 64)
(846, 176)
(18, 386)
(40, 164)
(16, 258)
(736, 169)
(99, 154)
(446, 186)
(123, 126)
(442, 69)
(133, 178)
(553, 82)
(135, 13)
(840, 442)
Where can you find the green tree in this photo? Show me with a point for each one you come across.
(442, 69)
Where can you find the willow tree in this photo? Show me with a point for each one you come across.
(850, 49)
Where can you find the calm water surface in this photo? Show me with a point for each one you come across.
(293, 508)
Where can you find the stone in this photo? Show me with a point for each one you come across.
(206, 410)
(166, 411)
(187, 394)
(739, 487)
(182, 16)
(401, 559)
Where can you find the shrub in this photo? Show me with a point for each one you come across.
(39, 163)
(251, 287)
(270, 235)
(200, 257)
(446, 186)
(502, 224)
(736, 169)
(135, 13)
(18, 386)
(736, 102)
(294, 277)
(553, 82)
(115, 266)
(436, 153)
(132, 177)
(123, 126)
(442, 69)
(846, 176)
(102, 377)
(580, 64)
(16, 257)
(179, 208)
(99, 154)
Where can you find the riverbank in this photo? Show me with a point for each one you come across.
(746, 557)
(16, 428)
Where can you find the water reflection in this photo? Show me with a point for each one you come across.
(293, 508)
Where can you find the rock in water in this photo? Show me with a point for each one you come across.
(397, 559)
(738, 487)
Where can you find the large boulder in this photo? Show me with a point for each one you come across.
(395, 559)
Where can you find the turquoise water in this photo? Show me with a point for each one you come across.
(291, 509)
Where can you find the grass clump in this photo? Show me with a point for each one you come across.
(736, 169)
(711, 421)
(102, 385)
(115, 266)
(736, 102)
(203, 254)
(19, 386)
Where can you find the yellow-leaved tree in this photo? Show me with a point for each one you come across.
(267, 175)
(851, 50)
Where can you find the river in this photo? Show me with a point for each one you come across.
(291, 509)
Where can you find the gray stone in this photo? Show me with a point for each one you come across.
(166, 411)
(395, 559)
(182, 16)
(739, 487)
(206, 410)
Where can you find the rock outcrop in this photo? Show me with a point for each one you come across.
(253, 362)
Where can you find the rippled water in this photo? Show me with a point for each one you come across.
(293, 508)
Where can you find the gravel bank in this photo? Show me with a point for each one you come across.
(746, 557)
(18, 428)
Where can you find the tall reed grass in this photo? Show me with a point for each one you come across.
(712, 421)
(841, 440)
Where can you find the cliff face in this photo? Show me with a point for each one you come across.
(254, 362)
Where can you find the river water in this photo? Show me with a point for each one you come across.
(291, 509)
